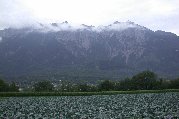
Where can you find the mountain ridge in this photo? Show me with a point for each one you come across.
(66, 26)
(121, 46)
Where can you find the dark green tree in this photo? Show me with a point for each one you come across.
(145, 80)
(3, 86)
(174, 84)
(106, 85)
(13, 87)
(164, 83)
(66, 86)
(43, 86)
(83, 87)
(126, 84)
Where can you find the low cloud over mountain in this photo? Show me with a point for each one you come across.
(124, 47)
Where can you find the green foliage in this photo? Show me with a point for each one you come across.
(13, 87)
(5, 87)
(145, 80)
(66, 86)
(29, 94)
(86, 88)
(126, 84)
(164, 84)
(106, 85)
(43, 86)
(174, 84)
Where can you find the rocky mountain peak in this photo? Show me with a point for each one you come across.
(122, 46)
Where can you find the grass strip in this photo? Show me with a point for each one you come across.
(30, 94)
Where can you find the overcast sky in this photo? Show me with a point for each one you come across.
(154, 14)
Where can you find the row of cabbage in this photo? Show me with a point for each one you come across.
(163, 105)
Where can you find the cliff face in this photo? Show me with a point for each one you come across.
(125, 46)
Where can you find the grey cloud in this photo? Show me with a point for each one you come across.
(154, 14)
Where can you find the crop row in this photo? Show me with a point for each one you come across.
(150, 105)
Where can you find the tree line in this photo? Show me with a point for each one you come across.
(6, 87)
(145, 80)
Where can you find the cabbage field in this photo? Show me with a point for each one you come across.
(148, 106)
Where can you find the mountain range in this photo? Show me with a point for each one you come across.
(120, 49)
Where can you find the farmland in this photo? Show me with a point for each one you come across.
(144, 105)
